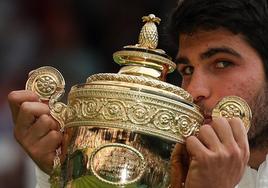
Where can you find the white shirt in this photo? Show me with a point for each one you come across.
(251, 178)
(42, 179)
(255, 179)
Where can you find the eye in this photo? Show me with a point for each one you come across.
(186, 70)
(223, 64)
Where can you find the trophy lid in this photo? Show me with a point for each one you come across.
(145, 54)
(144, 64)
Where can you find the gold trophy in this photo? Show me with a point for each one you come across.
(120, 129)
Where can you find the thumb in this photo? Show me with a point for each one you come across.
(179, 166)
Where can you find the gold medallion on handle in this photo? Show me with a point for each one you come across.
(231, 107)
(45, 82)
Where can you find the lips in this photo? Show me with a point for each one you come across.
(207, 114)
(207, 119)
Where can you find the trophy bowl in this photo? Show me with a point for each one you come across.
(120, 129)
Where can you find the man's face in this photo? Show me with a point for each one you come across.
(218, 63)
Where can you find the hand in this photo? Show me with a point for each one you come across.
(218, 156)
(179, 166)
(36, 131)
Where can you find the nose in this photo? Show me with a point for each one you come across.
(198, 87)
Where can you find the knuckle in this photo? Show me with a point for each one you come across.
(207, 159)
(190, 141)
(12, 96)
(204, 128)
(204, 131)
(33, 95)
(220, 120)
(25, 107)
(34, 152)
(234, 150)
(233, 153)
(235, 120)
(190, 138)
(55, 136)
(45, 119)
(54, 125)
(219, 156)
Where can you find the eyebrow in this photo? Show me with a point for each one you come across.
(209, 53)
(213, 51)
(182, 60)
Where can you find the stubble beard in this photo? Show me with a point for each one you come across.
(258, 133)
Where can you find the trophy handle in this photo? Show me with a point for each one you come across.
(231, 107)
(58, 109)
(48, 83)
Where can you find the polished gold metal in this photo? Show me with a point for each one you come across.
(125, 164)
(135, 107)
(149, 36)
(233, 106)
(119, 129)
(144, 59)
(45, 81)
(113, 158)
(131, 80)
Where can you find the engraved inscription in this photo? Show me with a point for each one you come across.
(117, 164)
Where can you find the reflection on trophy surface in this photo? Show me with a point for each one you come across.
(120, 129)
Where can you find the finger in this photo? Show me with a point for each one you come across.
(45, 161)
(223, 130)
(41, 128)
(47, 165)
(179, 166)
(47, 120)
(29, 111)
(195, 148)
(43, 151)
(16, 98)
(51, 141)
(239, 132)
(209, 138)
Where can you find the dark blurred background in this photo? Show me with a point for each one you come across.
(78, 37)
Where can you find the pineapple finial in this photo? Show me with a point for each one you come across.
(149, 36)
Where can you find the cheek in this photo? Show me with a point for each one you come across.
(245, 88)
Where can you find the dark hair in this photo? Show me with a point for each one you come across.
(246, 17)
